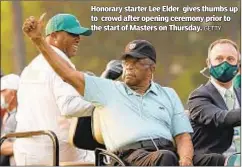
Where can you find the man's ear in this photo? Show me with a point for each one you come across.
(152, 68)
(208, 63)
(53, 35)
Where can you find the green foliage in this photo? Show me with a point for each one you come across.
(183, 85)
(6, 37)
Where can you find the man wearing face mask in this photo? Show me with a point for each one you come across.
(9, 87)
(215, 107)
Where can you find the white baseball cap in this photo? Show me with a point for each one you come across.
(10, 81)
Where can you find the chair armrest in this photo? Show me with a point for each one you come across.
(101, 153)
(28, 134)
(77, 164)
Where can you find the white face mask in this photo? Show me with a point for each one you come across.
(4, 105)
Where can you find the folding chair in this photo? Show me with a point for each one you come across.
(85, 133)
(48, 133)
(80, 136)
(234, 159)
(100, 153)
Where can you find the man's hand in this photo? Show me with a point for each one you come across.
(185, 161)
(184, 149)
(33, 28)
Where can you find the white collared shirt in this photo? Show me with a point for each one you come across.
(222, 91)
(43, 100)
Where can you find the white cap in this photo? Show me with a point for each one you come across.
(10, 81)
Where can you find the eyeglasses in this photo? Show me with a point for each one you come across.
(137, 63)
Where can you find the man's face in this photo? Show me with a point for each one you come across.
(223, 52)
(67, 42)
(136, 71)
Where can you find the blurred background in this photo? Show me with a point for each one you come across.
(180, 55)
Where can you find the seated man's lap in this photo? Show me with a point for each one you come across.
(212, 159)
(146, 157)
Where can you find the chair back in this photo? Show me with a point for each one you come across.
(96, 126)
(80, 134)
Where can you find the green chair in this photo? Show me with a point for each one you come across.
(233, 160)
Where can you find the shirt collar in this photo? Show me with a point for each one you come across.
(221, 89)
(152, 89)
(63, 55)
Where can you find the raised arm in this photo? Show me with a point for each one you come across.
(60, 66)
(33, 28)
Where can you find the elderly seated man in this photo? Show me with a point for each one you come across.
(142, 118)
(9, 87)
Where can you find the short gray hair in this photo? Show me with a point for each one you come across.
(224, 41)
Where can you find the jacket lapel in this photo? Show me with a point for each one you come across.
(238, 95)
(217, 98)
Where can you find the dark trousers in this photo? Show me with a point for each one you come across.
(212, 159)
(4, 160)
(144, 153)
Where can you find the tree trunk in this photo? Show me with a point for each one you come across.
(18, 44)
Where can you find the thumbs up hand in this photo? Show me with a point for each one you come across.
(33, 27)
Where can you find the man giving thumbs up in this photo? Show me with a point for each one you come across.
(44, 98)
